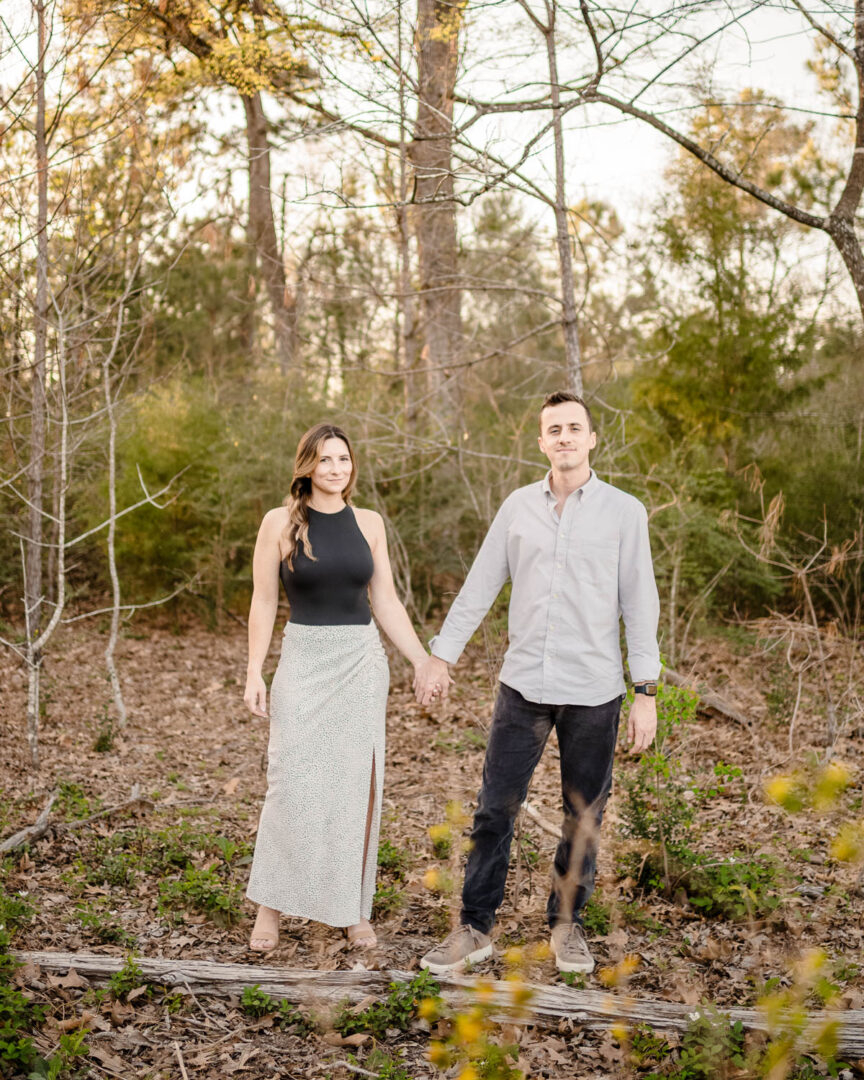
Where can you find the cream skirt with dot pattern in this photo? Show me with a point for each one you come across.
(327, 707)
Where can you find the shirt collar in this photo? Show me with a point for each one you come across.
(587, 489)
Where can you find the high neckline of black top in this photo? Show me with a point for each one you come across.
(324, 513)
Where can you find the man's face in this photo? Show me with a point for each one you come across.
(565, 436)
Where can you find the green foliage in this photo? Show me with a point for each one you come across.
(18, 1016)
(712, 1048)
(596, 917)
(103, 925)
(202, 890)
(397, 1010)
(736, 889)
(73, 802)
(656, 803)
(14, 911)
(104, 742)
(660, 809)
(257, 1002)
(383, 1065)
(388, 899)
(127, 979)
(393, 860)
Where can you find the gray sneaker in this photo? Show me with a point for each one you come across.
(571, 949)
(464, 946)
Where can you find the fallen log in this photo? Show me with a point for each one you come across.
(709, 702)
(42, 826)
(547, 1006)
(31, 832)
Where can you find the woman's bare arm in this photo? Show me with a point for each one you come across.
(262, 612)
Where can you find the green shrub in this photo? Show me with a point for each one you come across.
(393, 859)
(257, 1002)
(205, 891)
(127, 979)
(73, 802)
(103, 926)
(388, 899)
(14, 911)
(396, 1011)
(595, 917)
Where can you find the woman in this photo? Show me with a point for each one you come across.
(317, 844)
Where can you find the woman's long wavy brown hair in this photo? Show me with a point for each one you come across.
(308, 455)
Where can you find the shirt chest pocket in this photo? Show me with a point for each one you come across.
(596, 561)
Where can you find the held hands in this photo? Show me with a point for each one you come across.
(255, 695)
(641, 723)
(432, 680)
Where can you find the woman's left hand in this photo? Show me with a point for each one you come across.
(255, 695)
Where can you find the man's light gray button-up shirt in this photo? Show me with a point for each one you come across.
(573, 577)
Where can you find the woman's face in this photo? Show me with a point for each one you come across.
(333, 471)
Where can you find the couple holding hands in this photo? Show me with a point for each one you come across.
(577, 554)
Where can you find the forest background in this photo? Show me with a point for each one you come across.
(222, 222)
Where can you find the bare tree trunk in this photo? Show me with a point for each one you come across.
(110, 408)
(36, 467)
(31, 550)
(569, 314)
(262, 234)
(569, 319)
(437, 47)
(407, 299)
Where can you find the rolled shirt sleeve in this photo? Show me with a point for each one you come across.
(487, 576)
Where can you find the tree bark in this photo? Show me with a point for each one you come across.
(547, 1006)
(569, 318)
(437, 49)
(262, 233)
(36, 466)
(31, 549)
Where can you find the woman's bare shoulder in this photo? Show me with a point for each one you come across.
(368, 517)
(275, 520)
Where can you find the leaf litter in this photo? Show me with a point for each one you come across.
(200, 759)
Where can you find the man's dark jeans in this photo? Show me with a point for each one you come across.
(586, 738)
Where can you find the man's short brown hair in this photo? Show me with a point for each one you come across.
(559, 397)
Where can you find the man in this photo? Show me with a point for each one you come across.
(577, 553)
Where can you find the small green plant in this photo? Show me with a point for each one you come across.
(711, 1048)
(396, 1011)
(202, 890)
(442, 840)
(658, 804)
(257, 1002)
(734, 889)
(173, 1002)
(646, 1048)
(596, 917)
(381, 1064)
(115, 868)
(73, 802)
(388, 900)
(105, 737)
(15, 911)
(393, 859)
(574, 978)
(238, 852)
(127, 979)
(104, 926)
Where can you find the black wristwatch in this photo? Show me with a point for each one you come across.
(648, 688)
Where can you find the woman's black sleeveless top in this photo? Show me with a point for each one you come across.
(331, 591)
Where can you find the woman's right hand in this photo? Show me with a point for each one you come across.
(255, 695)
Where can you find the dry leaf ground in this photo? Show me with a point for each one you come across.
(200, 759)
